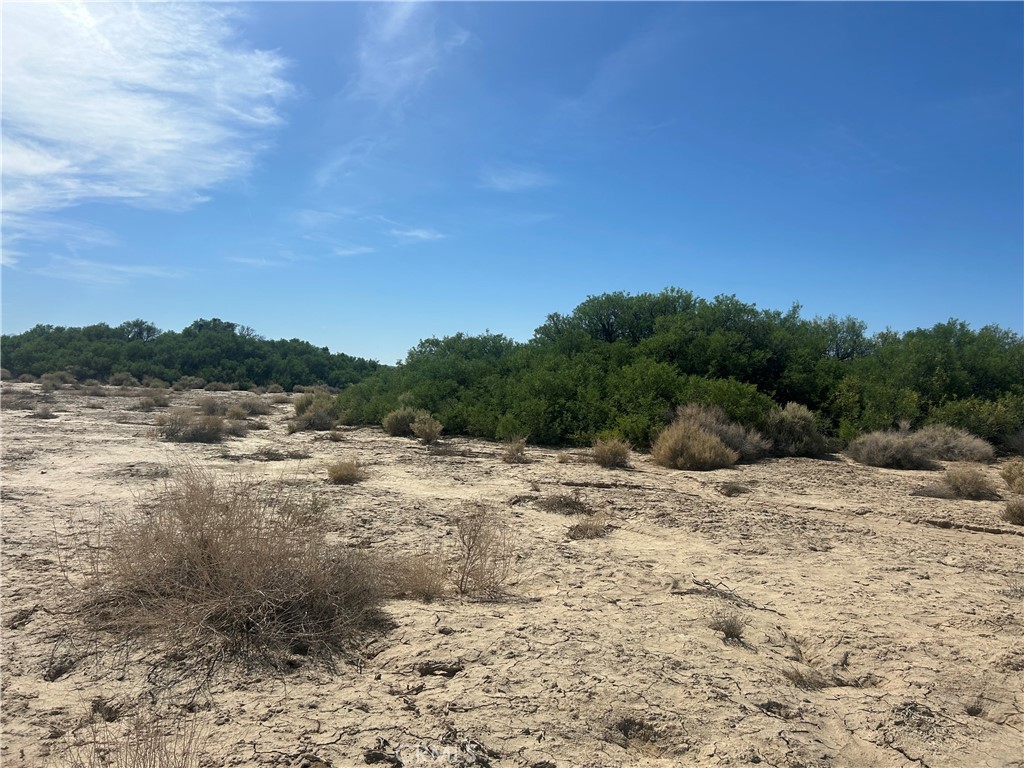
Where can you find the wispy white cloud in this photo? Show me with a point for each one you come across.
(258, 262)
(417, 235)
(399, 47)
(356, 250)
(514, 179)
(102, 273)
(147, 104)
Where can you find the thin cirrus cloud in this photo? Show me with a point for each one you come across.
(146, 104)
(101, 273)
(514, 179)
(398, 49)
(417, 235)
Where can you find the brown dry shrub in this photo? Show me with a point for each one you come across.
(240, 567)
(422, 576)
(515, 451)
(1013, 513)
(43, 412)
(122, 379)
(212, 406)
(189, 382)
(6, 375)
(804, 677)
(346, 472)
(612, 453)
(220, 386)
(684, 445)
(280, 399)
(920, 449)
(748, 443)
(1013, 473)
(484, 552)
(426, 428)
(565, 504)
(183, 426)
(961, 483)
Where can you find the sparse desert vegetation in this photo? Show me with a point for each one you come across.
(346, 472)
(239, 590)
(685, 444)
(919, 449)
(612, 453)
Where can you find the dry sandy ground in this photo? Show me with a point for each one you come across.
(599, 655)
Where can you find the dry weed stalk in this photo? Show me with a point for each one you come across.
(485, 550)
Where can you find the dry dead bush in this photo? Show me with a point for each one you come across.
(1013, 513)
(595, 527)
(426, 427)
(920, 449)
(1013, 473)
(565, 504)
(612, 453)
(422, 577)
(240, 567)
(184, 426)
(141, 741)
(43, 412)
(685, 445)
(212, 406)
(730, 623)
(961, 483)
(189, 382)
(95, 390)
(794, 432)
(563, 457)
(254, 406)
(346, 472)
(398, 423)
(236, 412)
(6, 375)
(805, 678)
(220, 386)
(280, 399)
(484, 552)
(515, 451)
(967, 482)
(748, 443)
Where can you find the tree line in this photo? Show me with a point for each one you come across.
(214, 350)
(618, 365)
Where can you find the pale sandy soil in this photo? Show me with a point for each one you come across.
(917, 630)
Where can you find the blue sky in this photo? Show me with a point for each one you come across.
(366, 175)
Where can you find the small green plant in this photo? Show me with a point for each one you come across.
(346, 472)
(612, 453)
(426, 428)
(1013, 473)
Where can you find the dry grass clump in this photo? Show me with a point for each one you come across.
(920, 449)
(184, 426)
(684, 444)
(1013, 473)
(1013, 513)
(153, 382)
(6, 375)
(730, 623)
(220, 386)
(346, 472)
(515, 451)
(280, 399)
(398, 423)
(748, 443)
(426, 428)
(43, 412)
(484, 552)
(144, 740)
(805, 678)
(253, 406)
(595, 527)
(122, 379)
(239, 567)
(422, 577)
(793, 431)
(613, 454)
(95, 390)
(564, 504)
(27, 378)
